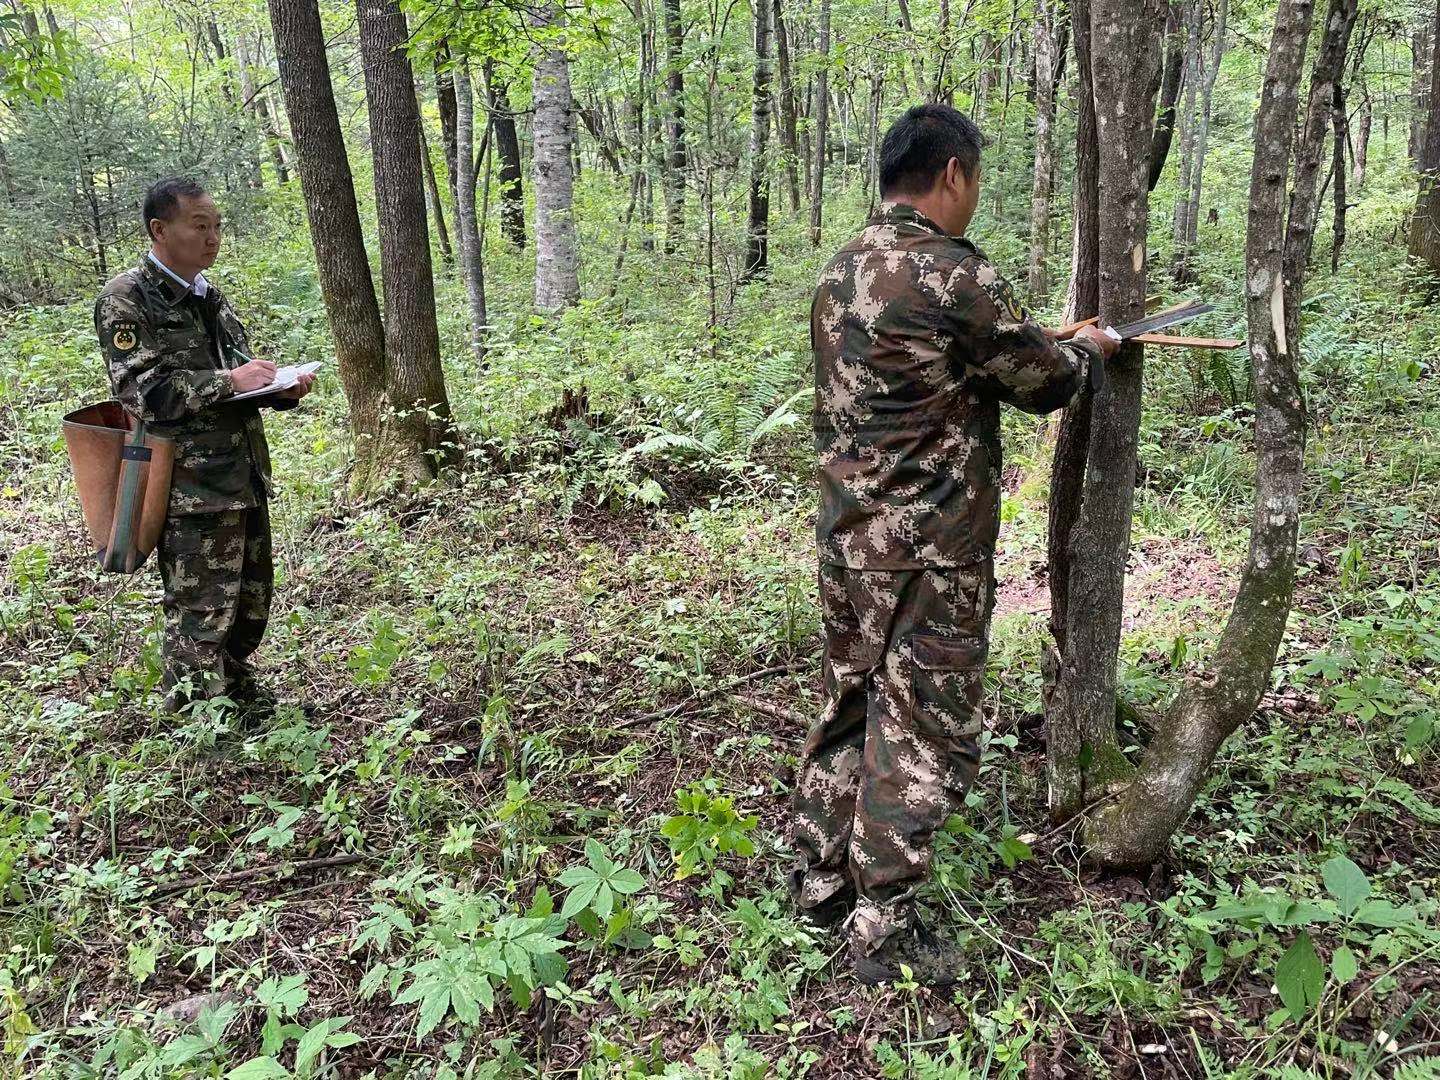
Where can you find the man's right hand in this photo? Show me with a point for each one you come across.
(252, 375)
(1109, 346)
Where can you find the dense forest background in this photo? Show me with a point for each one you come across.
(546, 617)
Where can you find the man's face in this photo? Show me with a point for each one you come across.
(190, 240)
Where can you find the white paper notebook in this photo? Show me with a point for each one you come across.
(285, 378)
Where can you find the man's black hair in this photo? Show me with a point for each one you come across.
(918, 146)
(164, 196)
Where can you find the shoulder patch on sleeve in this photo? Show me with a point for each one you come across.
(1000, 291)
(123, 337)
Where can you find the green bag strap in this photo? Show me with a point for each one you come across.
(121, 555)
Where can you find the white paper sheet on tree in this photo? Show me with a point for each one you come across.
(285, 378)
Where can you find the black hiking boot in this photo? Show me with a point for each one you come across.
(829, 913)
(932, 961)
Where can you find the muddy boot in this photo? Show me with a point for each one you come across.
(931, 960)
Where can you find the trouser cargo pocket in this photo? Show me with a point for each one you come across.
(947, 679)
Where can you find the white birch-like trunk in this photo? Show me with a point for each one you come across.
(471, 267)
(557, 277)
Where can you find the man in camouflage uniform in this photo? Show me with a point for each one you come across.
(176, 353)
(917, 341)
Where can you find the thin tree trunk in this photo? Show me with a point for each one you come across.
(1422, 68)
(507, 146)
(1085, 760)
(335, 233)
(1202, 134)
(472, 268)
(1135, 829)
(1190, 128)
(1329, 67)
(557, 276)
(678, 157)
(251, 111)
(1425, 226)
(432, 191)
(415, 382)
(788, 143)
(1067, 472)
(1360, 148)
(1340, 138)
(1177, 63)
(757, 244)
(1044, 83)
(445, 106)
(822, 124)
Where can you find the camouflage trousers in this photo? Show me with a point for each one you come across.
(894, 749)
(218, 581)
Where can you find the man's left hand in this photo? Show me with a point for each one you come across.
(303, 384)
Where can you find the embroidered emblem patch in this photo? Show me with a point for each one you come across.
(124, 338)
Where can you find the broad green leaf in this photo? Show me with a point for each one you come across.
(1346, 882)
(1300, 977)
(578, 899)
(1382, 913)
(259, 1068)
(1343, 965)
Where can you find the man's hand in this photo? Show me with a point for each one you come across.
(302, 386)
(252, 375)
(1109, 346)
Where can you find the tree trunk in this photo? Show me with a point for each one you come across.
(757, 245)
(789, 145)
(445, 106)
(557, 276)
(678, 158)
(1425, 227)
(1067, 471)
(1135, 829)
(822, 124)
(344, 269)
(1085, 760)
(471, 265)
(1177, 56)
(1180, 230)
(1329, 67)
(415, 382)
(1360, 147)
(1045, 69)
(507, 146)
(432, 191)
(1340, 136)
(251, 110)
(1202, 133)
(1421, 67)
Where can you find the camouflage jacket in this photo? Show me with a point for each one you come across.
(917, 340)
(168, 352)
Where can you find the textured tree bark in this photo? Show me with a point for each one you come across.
(557, 275)
(1085, 761)
(1134, 830)
(250, 110)
(1173, 74)
(415, 382)
(822, 126)
(757, 232)
(1304, 203)
(1422, 67)
(1202, 131)
(1067, 471)
(1180, 230)
(788, 143)
(472, 268)
(1038, 281)
(1340, 136)
(1360, 145)
(507, 147)
(344, 269)
(445, 106)
(1425, 226)
(677, 159)
(432, 192)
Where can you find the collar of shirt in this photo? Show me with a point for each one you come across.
(899, 213)
(199, 286)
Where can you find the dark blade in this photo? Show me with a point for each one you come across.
(1162, 320)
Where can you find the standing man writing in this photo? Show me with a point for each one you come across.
(176, 353)
(917, 341)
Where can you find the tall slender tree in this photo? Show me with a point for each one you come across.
(507, 147)
(1425, 225)
(822, 126)
(415, 382)
(470, 261)
(344, 269)
(789, 143)
(757, 248)
(677, 157)
(557, 279)
(1046, 69)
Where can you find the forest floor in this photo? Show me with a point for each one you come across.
(524, 811)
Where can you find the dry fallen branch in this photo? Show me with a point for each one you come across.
(239, 877)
